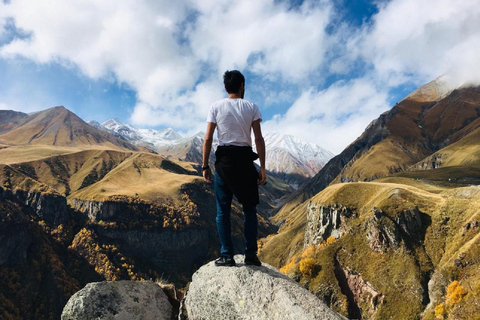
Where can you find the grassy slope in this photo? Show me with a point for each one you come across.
(398, 274)
(448, 200)
(141, 174)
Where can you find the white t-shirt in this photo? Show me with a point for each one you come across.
(234, 118)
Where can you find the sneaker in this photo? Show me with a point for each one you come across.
(225, 262)
(252, 260)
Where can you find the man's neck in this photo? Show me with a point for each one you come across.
(234, 96)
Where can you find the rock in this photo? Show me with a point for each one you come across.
(250, 292)
(119, 300)
(323, 222)
(382, 232)
(50, 207)
(410, 222)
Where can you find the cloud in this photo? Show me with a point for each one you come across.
(326, 77)
(265, 35)
(334, 117)
(133, 40)
(159, 47)
(420, 40)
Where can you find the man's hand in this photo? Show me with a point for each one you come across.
(207, 175)
(262, 176)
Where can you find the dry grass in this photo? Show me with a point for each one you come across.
(25, 153)
(97, 173)
(140, 175)
(396, 273)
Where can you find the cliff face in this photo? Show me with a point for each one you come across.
(37, 274)
(15, 239)
(324, 222)
(52, 208)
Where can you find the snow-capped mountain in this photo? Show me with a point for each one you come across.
(188, 149)
(151, 138)
(292, 158)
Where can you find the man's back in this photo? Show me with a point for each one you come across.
(234, 118)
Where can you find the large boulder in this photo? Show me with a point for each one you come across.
(119, 300)
(250, 292)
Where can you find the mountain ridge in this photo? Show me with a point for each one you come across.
(57, 126)
(390, 225)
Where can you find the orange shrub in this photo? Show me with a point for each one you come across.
(440, 311)
(455, 293)
(330, 240)
(308, 267)
(309, 252)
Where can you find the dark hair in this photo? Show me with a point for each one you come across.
(232, 80)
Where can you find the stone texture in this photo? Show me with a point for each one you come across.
(50, 207)
(250, 292)
(325, 221)
(119, 300)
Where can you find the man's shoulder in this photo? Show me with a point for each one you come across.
(219, 102)
(226, 101)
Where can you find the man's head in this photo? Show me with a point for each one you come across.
(233, 81)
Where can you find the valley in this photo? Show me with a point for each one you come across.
(387, 229)
(389, 226)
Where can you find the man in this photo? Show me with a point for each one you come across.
(235, 174)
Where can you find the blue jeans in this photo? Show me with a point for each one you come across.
(224, 197)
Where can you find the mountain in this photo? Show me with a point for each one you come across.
(151, 138)
(389, 228)
(293, 159)
(412, 130)
(288, 158)
(10, 119)
(57, 127)
(78, 204)
(188, 149)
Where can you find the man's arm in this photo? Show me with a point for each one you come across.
(260, 144)
(207, 147)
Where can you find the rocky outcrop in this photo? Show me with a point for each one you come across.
(106, 210)
(250, 292)
(358, 292)
(383, 232)
(325, 221)
(15, 236)
(50, 207)
(410, 222)
(119, 300)
(433, 162)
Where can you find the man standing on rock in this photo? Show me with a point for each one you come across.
(235, 174)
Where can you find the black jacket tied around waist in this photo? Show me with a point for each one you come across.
(235, 166)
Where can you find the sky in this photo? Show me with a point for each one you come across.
(320, 70)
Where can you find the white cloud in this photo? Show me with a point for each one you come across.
(420, 40)
(334, 117)
(280, 42)
(134, 40)
(173, 54)
(156, 50)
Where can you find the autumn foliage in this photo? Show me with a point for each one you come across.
(306, 263)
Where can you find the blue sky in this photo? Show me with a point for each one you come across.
(320, 70)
